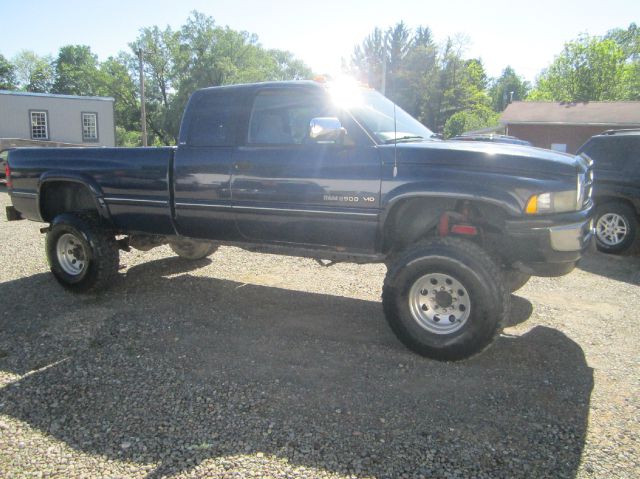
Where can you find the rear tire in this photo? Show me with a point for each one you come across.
(445, 299)
(83, 255)
(616, 227)
(192, 249)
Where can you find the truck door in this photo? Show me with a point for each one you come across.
(202, 165)
(289, 188)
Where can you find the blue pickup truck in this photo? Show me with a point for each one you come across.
(334, 172)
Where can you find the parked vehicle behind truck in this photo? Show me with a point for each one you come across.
(327, 171)
(616, 154)
(3, 163)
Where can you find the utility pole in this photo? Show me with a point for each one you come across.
(143, 113)
(384, 76)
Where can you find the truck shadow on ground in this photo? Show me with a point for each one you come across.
(177, 371)
(620, 268)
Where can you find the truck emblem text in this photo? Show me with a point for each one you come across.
(349, 198)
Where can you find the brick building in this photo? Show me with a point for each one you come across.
(566, 126)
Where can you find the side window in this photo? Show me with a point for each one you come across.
(633, 153)
(282, 117)
(213, 118)
(611, 153)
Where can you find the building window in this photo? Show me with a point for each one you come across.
(559, 147)
(39, 125)
(89, 127)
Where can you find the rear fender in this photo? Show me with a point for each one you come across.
(76, 178)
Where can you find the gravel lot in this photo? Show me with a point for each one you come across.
(247, 365)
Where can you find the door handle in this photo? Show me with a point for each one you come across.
(241, 166)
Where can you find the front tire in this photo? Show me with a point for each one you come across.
(83, 255)
(445, 299)
(616, 227)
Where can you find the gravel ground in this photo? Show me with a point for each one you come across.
(248, 365)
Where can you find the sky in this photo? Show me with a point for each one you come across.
(526, 35)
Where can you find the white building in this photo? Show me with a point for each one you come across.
(56, 120)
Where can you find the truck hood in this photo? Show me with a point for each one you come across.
(484, 156)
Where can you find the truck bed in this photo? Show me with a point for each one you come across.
(134, 182)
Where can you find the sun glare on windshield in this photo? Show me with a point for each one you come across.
(346, 92)
(386, 121)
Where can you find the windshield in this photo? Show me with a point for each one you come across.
(376, 113)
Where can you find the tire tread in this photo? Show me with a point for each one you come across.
(104, 251)
(466, 248)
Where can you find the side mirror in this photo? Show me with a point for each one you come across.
(326, 130)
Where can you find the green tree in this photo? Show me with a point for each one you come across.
(470, 120)
(76, 71)
(406, 65)
(466, 105)
(7, 74)
(159, 50)
(431, 84)
(506, 88)
(33, 73)
(628, 40)
(462, 86)
(416, 83)
(114, 80)
(398, 43)
(288, 67)
(631, 81)
(128, 138)
(588, 69)
(368, 59)
(201, 54)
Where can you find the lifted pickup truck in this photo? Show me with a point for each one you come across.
(334, 172)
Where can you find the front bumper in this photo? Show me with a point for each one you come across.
(575, 237)
(550, 245)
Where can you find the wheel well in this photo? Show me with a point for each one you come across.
(64, 197)
(414, 219)
(601, 200)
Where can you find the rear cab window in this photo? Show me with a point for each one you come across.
(212, 119)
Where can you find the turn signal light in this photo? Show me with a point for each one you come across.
(464, 230)
(7, 174)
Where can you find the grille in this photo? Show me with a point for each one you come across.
(585, 186)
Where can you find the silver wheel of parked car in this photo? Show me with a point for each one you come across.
(612, 229)
(71, 254)
(616, 228)
(439, 303)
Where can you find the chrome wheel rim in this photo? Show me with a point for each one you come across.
(612, 229)
(439, 303)
(71, 255)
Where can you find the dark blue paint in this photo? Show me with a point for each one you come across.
(298, 195)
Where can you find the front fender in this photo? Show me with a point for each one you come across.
(510, 202)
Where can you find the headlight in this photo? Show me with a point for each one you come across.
(558, 202)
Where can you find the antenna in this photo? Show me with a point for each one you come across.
(395, 143)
